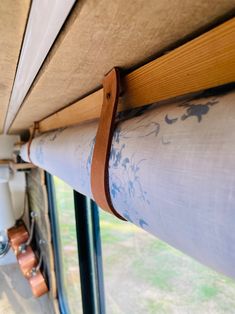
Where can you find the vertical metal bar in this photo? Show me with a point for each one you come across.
(89, 251)
(98, 255)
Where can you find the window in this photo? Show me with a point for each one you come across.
(145, 275)
(66, 246)
(141, 273)
(77, 248)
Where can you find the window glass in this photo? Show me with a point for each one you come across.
(145, 275)
(68, 250)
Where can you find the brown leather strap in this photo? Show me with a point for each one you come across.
(100, 159)
(32, 135)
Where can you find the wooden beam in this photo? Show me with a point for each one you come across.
(16, 166)
(21, 166)
(4, 162)
(205, 62)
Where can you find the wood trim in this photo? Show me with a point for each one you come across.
(16, 166)
(205, 62)
(21, 166)
(5, 162)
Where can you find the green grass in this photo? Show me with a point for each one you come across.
(69, 255)
(143, 274)
(208, 292)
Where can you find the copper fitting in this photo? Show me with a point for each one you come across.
(27, 260)
(17, 235)
(37, 283)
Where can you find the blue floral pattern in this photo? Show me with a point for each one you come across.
(159, 175)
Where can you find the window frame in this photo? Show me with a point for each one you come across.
(63, 303)
(89, 252)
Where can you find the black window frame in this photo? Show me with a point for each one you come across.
(89, 252)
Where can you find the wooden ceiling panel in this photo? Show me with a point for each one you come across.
(13, 18)
(102, 34)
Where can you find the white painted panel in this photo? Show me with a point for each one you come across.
(17, 185)
(17, 181)
(6, 145)
(10, 258)
(7, 217)
(45, 21)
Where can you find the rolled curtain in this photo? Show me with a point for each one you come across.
(171, 172)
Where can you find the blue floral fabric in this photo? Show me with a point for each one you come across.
(171, 172)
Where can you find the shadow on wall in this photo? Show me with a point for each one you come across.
(16, 296)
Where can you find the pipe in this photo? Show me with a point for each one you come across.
(171, 172)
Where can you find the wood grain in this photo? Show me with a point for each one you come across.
(102, 34)
(202, 63)
(38, 200)
(5, 161)
(13, 18)
(21, 166)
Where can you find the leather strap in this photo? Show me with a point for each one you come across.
(32, 135)
(100, 160)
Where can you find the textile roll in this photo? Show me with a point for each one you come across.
(171, 172)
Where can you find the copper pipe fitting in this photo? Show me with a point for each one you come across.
(27, 260)
(37, 283)
(17, 235)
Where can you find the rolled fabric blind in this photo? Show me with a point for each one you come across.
(171, 172)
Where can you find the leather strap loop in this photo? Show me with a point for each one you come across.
(32, 135)
(100, 159)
